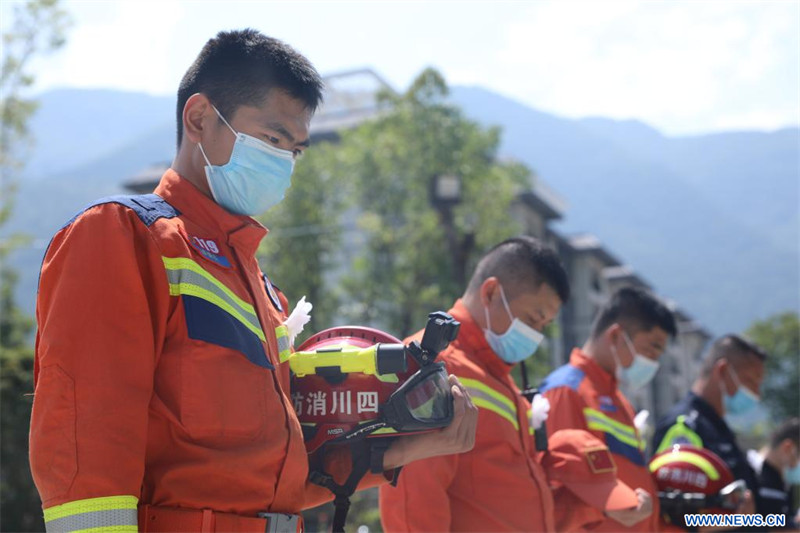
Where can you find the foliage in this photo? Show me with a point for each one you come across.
(38, 28)
(419, 251)
(779, 336)
(305, 233)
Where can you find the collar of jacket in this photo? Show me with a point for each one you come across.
(706, 411)
(242, 232)
(604, 382)
(472, 340)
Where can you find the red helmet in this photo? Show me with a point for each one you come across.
(350, 382)
(691, 479)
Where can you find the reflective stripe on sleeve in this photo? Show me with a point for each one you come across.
(185, 276)
(485, 397)
(112, 513)
(284, 345)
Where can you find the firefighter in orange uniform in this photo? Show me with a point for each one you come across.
(628, 336)
(583, 476)
(161, 403)
(517, 289)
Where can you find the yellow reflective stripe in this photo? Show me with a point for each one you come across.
(597, 421)
(486, 397)
(284, 345)
(113, 529)
(107, 503)
(184, 263)
(499, 396)
(486, 404)
(530, 427)
(176, 289)
(687, 457)
(624, 428)
(382, 431)
(679, 432)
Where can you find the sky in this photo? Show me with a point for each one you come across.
(684, 67)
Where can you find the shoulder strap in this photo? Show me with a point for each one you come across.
(148, 207)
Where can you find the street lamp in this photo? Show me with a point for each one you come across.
(445, 195)
(446, 190)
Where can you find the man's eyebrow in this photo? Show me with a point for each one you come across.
(277, 126)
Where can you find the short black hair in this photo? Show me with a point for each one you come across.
(239, 67)
(788, 430)
(522, 263)
(636, 309)
(733, 348)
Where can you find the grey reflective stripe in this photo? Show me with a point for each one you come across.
(483, 399)
(189, 277)
(102, 519)
(772, 494)
(283, 343)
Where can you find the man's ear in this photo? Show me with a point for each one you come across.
(488, 290)
(612, 333)
(195, 111)
(719, 370)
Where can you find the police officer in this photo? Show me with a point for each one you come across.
(729, 381)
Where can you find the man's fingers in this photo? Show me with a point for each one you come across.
(455, 382)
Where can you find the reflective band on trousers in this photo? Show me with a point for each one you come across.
(483, 396)
(686, 457)
(112, 513)
(187, 277)
(597, 421)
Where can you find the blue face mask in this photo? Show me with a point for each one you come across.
(519, 341)
(742, 401)
(792, 475)
(641, 370)
(254, 179)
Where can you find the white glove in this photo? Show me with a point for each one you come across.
(540, 408)
(298, 318)
(640, 422)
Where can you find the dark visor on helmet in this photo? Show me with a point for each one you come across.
(424, 401)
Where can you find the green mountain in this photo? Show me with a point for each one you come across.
(711, 221)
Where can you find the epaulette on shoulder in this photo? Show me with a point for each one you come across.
(565, 376)
(148, 207)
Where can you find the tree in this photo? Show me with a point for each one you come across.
(779, 336)
(419, 249)
(38, 28)
(305, 233)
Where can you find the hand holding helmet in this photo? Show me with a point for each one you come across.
(362, 388)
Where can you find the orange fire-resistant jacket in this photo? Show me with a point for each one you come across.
(498, 486)
(157, 371)
(584, 396)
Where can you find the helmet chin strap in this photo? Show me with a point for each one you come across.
(367, 455)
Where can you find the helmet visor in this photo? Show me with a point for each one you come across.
(422, 402)
(427, 401)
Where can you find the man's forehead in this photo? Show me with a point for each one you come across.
(542, 297)
(278, 106)
(655, 334)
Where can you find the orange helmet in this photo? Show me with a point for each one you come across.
(693, 480)
(350, 382)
